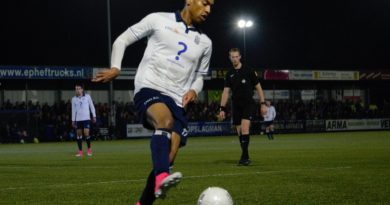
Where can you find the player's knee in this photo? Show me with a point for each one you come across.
(245, 131)
(166, 123)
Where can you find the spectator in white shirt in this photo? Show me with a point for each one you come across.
(269, 118)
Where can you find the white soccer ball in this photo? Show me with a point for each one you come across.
(215, 196)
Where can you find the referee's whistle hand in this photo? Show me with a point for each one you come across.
(106, 75)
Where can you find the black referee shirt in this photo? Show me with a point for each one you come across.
(242, 82)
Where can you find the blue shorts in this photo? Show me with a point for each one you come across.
(268, 123)
(147, 97)
(86, 124)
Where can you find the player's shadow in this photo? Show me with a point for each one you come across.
(234, 162)
(225, 161)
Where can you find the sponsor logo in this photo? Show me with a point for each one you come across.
(336, 125)
(385, 124)
(151, 99)
(42, 72)
(197, 40)
(184, 132)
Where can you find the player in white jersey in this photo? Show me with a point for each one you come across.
(82, 106)
(169, 77)
(269, 118)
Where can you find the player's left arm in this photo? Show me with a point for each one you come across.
(197, 85)
(92, 108)
(190, 96)
(255, 81)
(73, 112)
(260, 93)
(274, 113)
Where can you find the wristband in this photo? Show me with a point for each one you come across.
(262, 103)
(222, 108)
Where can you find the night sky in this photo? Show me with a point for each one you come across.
(301, 34)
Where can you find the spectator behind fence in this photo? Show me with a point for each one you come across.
(43, 115)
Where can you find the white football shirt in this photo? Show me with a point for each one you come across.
(271, 114)
(81, 108)
(176, 56)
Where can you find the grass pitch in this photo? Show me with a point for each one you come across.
(326, 168)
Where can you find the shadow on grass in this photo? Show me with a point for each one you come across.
(235, 163)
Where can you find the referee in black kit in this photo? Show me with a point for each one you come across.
(242, 81)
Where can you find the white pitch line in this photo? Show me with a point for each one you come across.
(57, 167)
(188, 177)
(78, 184)
(265, 172)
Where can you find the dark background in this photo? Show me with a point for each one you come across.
(301, 34)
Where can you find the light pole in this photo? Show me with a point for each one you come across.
(244, 24)
(112, 117)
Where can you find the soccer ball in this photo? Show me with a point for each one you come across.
(215, 196)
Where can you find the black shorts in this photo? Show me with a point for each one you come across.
(243, 111)
(268, 123)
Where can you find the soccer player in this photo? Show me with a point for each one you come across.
(269, 118)
(82, 106)
(169, 77)
(241, 80)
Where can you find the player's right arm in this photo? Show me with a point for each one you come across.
(106, 75)
(73, 113)
(224, 99)
(225, 96)
(130, 36)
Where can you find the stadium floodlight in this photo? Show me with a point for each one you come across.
(249, 24)
(243, 24)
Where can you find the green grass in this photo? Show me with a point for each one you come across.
(328, 168)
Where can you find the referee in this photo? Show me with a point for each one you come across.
(241, 80)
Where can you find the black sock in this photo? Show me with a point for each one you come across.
(272, 134)
(242, 147)
(80, 142)
(88, 139)
(245, 146)
(147, 197)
